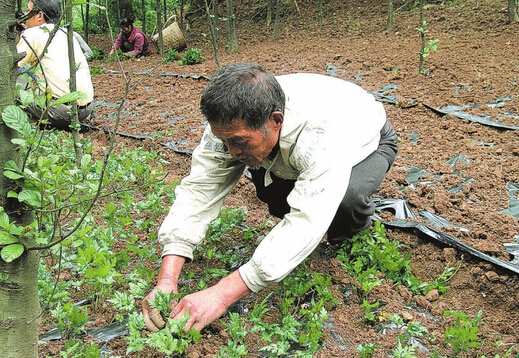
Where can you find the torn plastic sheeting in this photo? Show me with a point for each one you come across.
(452, 242)
(104, 334)
(513, 210)
(458, 112)
(173, 146)
(439, 222)
(513, 249)
(402, 210)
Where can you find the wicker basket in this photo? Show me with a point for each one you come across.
(172, 37)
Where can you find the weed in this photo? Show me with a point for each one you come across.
(97, 71)
(71, 319)
(366, 350)
(463, 335)
(170, 55)
(192, 57)
(98, 53)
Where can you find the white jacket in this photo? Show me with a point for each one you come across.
(329, 126)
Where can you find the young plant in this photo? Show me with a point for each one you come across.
(192, 57)
(366, 350)
(170, 55)
(463, 335)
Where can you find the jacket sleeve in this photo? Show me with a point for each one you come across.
(118, 41)
(199, 197)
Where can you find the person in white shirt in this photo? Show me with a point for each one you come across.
(53, 72)
(317, 147)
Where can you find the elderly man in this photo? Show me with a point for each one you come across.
(52, 65)
(317, 147)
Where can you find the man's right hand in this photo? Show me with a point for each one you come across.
(152, 316)
(167, 282)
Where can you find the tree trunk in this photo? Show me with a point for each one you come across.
(159, 27)
(270, 5)
(277, 4)
(512, 11)
(19, 305)
(389, 24)
(143, 10)
(422, 36)
(320, 11)
(232, 40)
(87, 20)
(72, 81)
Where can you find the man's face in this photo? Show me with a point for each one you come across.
(37, 19)
(249, 146)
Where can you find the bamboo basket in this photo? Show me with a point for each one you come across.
(172, 37)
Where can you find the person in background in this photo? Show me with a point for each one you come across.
(317, 148)
(52, 65)
(131, 40)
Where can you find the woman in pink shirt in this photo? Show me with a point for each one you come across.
(131, 40)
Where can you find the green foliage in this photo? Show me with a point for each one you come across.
(97, 53)
(170, 340)
(403, 350)
(192, 57)
(97, 71)
(170, 55)
(371, 252)
(71, 319)
(463, 335)
(366, 350)
(78, 349)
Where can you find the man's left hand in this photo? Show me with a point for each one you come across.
(207, 305)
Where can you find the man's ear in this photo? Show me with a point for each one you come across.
(278, 118)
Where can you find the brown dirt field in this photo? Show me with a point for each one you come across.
(476, 65)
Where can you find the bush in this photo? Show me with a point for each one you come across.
(192, 57)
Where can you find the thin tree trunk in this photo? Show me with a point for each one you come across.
(215, 18)
(165, 12)
(19, 304)
(159, 27)
(390, 11)
(512, 11)
(276, 19)
(86, 23)
(320, 11)
(270, 5)
(72, 81)
(232, 40)
(143, 10)
(422, 36)
(212, 32)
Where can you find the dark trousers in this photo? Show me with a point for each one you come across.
(357, 207)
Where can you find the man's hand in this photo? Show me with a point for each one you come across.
(167, 282)
(152, 316)
(207, 305)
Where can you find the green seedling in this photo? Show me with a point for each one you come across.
(370, 312)
(170, 55)
(463, 335)
(71, 319)
(192, 57)
(366, 350)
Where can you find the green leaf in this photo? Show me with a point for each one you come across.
(31, 197)
(6, 239)
(11, 252)
(4, 219)
(16, 119)
(69, 97)
(26, 97)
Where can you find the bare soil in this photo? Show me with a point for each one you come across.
(476, 65)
